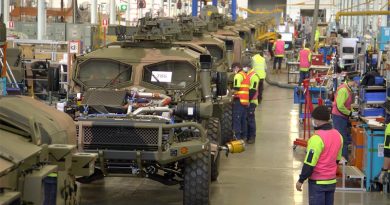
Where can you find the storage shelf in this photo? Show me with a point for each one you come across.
(374, 102)
(375, 88)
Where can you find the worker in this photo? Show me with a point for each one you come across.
(304, 59)
(317, 39)
(323, 153)
(240, 101)
(341, 111)
(278, 49)
(260, 66)
(384, 176)
(253, 99)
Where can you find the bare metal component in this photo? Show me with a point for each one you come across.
(142, 110)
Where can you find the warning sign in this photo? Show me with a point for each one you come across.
(105, 23)
(11, 24)
(74, 47)
(381, 150)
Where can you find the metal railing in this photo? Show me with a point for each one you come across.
(10, 75)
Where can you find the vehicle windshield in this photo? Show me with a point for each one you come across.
(103, 73)
(170, 74)
(215, 51)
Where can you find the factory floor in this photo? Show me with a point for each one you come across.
(265, 174)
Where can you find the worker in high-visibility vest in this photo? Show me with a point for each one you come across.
(240, 101)
(317, 39)
(322, 156)
(260, 66)
(278, 49)
(384, 176)
(342, 111)
(304, 59)
(253, 101)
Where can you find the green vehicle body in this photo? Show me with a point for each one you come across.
(38, 153)
(147, 126)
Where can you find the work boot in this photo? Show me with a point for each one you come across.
(251, 140)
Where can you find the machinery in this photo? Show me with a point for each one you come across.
(145, 106)
(39, 162)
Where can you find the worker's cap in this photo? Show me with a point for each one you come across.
(236, 64)
(321, 113)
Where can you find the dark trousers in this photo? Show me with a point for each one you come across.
(278, 60)
(341, 125)
(321, 194)
(239, 119)
(251, 121)
(303, 75)
(260, 90)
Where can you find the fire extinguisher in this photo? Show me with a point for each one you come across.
(141, 4)
(179, 4)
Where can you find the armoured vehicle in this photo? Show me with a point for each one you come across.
(222, 54)
(145, 106)
(39, 162)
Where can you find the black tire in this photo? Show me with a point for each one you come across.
(214, 135)
(196, 190)
(226, 120)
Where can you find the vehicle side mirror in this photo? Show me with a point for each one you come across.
(206, 61)
(53, 79)
(229, 45)
(241, 34)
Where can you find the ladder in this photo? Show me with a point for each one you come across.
(10, 76)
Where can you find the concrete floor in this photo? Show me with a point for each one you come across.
(265, 174)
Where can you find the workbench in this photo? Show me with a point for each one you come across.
(320, 67)
(292, 72)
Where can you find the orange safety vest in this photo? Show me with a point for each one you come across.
(250, 75)
(243, 93)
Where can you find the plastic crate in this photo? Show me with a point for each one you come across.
(314, 92)
(50, 190)
(374, 96)
(379, 80)
(367, 112)
(357, 79)
(358, 142)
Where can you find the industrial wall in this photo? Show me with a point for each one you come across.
(267, 5)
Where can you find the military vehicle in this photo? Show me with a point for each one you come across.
(145, 106)
(39, 162)
(220, 27)
(221, 53)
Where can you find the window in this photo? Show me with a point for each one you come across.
(170, 74)
(103, 73)
(348, 50)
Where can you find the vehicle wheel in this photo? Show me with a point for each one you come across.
(226, 120)
(214, 135)
(196, 190)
